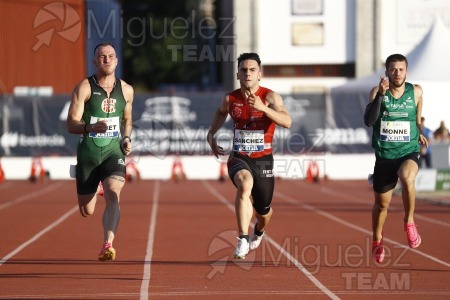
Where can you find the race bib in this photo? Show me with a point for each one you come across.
(395, 131)
(248, 140)
(112, 131)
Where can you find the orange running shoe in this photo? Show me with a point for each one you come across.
(108, 253)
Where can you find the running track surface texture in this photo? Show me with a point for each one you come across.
(176, 240)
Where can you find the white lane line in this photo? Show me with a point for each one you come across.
(420, 217)
(38, 235)
(283, 251)
(370, 203)
(32, 195)
(355, 227)
(151, 239)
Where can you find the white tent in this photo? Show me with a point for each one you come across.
(428, 66)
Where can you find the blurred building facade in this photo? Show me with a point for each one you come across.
(313, 45)
(305, 45)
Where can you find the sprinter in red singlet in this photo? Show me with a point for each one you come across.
(255, 111)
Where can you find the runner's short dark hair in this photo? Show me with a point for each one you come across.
(103, 45)
(246, 56)
(395, 58)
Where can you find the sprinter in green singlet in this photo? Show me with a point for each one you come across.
(101, 111)
(394, 111)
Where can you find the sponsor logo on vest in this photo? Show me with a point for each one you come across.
(236, 112)
(109, 105)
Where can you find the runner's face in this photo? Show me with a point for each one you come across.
(106, 60)
(249, 73)
(397, 73)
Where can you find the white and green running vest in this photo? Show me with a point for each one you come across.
(100, 107)
(395, 132)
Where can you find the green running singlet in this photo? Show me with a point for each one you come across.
(395, 133)
(99, 155)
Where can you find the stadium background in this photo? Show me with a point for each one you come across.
(313, 49)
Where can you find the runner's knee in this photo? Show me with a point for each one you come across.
(407, 179)
(262, 206)
(244, 182)
(85, 211)
(262, 210)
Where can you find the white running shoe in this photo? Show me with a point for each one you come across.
(242, 249)
(255, 240)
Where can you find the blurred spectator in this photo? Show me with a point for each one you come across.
(425, 152)
(441, 134)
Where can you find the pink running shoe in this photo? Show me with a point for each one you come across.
(100, 192)
(414, 239)
(108, 253)
(378, 251)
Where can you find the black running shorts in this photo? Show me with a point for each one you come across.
(385, 175)
(263, 178)
(94, 164)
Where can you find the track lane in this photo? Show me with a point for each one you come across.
(198, 238)
(62, 263)
(411, 266)
(194, 237)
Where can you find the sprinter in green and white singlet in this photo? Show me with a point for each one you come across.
(101, 111)
(107, 108)
(99, 154)
(396, 128)
(394, 111)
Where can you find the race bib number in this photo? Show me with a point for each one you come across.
(248, 140)
(112, 131)
(395, 131)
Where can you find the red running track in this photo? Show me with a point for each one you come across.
(175, 240)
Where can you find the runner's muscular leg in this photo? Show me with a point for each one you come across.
(407, 175)
(262, 193)
(243, 206)
(111, 216)
(87, 203)
(379, 213)
(263, 220)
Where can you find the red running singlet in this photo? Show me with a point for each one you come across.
(253, 130)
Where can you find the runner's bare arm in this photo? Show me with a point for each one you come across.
(127, 120)
(75, 125)
(218, 120)
(418, 95)
(274, 109)
(80, 94)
